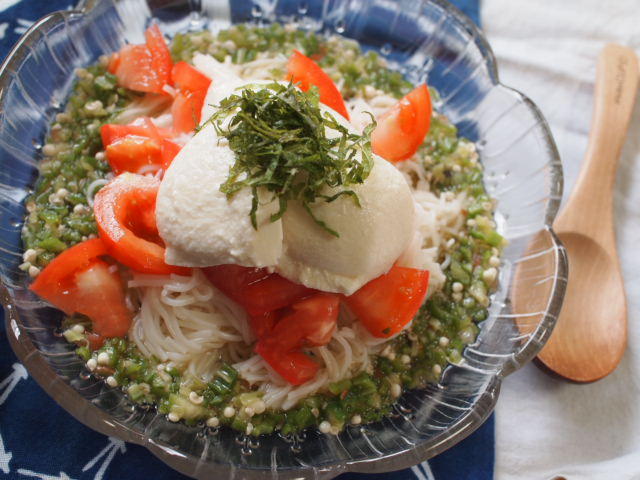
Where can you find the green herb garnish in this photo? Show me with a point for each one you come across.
(279, 138)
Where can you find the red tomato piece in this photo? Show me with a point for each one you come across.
(123, 227)
(134, 69)
(49, 283)
(189, 79)
(295, 367)
(144, 68)
(257, 290)
(160, 54)
(264, 323)
(99, 294)
(402, 129)
(311, 323)
(387, 303)
(169, 150)
(134, 154)
(186, 109)
(305, 72)
(77, 281)
(192, 89)
(141, 127)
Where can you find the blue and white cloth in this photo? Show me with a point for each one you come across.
(38, 439)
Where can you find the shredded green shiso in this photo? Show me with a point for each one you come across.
(278, 135)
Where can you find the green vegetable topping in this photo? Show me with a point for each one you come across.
(279, 137)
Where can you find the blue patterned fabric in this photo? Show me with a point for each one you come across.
(38, 439)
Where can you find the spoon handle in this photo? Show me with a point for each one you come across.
(615, 94)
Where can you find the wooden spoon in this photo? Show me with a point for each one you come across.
(591, 334)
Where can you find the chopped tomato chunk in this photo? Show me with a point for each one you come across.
(188, 78)
(125, 214)
(257, 290)
(134, 154)
(295, 367)
(160, 54)
(387, 303)
(141, 127)
(65, 265)
(77, 281)
(305, 72)
(169, 150)
(185, 109)
(310, 323)
(192, 89)
(263, 324)
(140, 147)
(144, 68)
(402, 129)
(99, 294)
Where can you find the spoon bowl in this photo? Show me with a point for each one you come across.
(576, 340)
(591, 333)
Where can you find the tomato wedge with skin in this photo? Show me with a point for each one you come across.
(168, 152)
(310, 322)
(305, 72)
(188, 78)
(122, 210)
(192, 89)
(262, 324)
(99, 294)
(257, 290)
(401, 130)
(295, 367)
(387, 303)
(160, 54)
(142, 127)
(134, 154)
(185, 110)
(140, 147)
(143, 68)
(77, 281)
(52, 280)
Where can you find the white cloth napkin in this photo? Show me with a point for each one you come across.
(547, 427)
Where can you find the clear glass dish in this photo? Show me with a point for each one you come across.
(427, 40)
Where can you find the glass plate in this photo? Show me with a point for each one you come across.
(427, 40)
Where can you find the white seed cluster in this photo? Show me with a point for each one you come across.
(324, 427)
(103, 358)
(195, 398)
(111, 381)
(396, 390)
(490, 275)
(59, 196)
